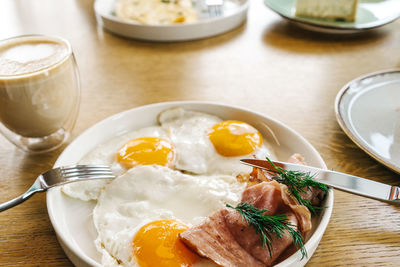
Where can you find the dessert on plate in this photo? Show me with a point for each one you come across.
(344, 10)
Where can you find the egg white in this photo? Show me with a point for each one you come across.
(148, 193)
(195, 153)
(105, 153)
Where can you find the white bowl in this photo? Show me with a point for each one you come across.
(72, 219)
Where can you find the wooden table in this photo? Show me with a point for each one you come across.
(267, 65)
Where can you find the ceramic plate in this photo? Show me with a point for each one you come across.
(72, 219)
(368, 110)
(370, 14)
(208, 24)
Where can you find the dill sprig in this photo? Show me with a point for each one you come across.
(297, 183)
(266, 226)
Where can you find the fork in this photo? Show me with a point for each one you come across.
(214, 7)
(61, 176)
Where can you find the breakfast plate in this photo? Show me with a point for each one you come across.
(370, 14)
(208, 23)
(72, 218)
(368, 110)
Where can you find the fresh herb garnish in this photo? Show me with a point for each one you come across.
(297, 183)
(266, 226)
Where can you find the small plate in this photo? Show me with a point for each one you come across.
(233, 15)
(72, 219)
(368, 110)
(370, 14)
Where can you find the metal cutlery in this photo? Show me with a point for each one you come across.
(60, 176)
(341, 181)
(214, 7)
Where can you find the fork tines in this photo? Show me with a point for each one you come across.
(61, 176)
(214, 7)
(86, 171)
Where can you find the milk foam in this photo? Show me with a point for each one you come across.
(26, 56)
(38, 84)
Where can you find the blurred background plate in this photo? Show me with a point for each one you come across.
(370, 14)
(233, 14)
(368, 110)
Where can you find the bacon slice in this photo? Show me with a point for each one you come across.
(212, 239)
(250, 241)
(297, 159)
(226, 239)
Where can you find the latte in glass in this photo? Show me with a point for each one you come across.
(39, 91)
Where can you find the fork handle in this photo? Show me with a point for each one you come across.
(18, 200)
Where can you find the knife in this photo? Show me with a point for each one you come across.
(342, 181)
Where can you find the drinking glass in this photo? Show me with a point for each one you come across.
(40, 101)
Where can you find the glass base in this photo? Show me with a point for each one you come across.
(36, 145)
(44, 144)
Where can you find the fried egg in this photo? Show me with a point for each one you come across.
(139, 214)
(144, 146)
(188, 141)
(205, 144)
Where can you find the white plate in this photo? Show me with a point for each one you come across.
(370, 14)
(233, 15)
(368, 110)
(72, 219)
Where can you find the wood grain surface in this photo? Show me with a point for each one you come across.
(267, 65)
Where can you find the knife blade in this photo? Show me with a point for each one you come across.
(338, 180)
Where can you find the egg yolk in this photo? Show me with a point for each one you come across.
(157, 244)
(234, 138)
(146, 151)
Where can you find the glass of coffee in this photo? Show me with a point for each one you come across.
(39, 91)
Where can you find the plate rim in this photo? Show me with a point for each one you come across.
(74, 254)
(347, 130)
(335, 29)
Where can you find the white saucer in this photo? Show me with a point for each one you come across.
(72, 219)
(233, 15)
(368, 110)
(370, 14)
